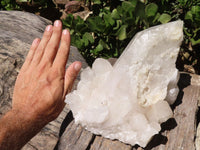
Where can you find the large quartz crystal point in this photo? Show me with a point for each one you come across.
(129, 101)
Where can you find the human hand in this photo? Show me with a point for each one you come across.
(42, 82)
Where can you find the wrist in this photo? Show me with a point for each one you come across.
(17, 129)
(28, 119)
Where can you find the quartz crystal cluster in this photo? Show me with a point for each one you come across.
(129, 101)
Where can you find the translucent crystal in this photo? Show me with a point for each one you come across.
(129, 101)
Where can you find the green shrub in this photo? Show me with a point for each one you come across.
(25, 4)
(108, 30)
(8, 5)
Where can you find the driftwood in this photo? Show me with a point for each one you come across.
(18, 29)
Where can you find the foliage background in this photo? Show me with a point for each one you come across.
(113, 23)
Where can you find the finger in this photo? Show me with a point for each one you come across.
(40, 50)
(53, 44)
(31, 53)
(63, 52)
(70, 76)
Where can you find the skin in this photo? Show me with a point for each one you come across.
(40, 88)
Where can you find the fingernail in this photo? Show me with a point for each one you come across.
(65, 32)
(36, 41)
(49, 28)
(57, 23)
(77, 66)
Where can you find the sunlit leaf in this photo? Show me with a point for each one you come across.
(164, 18)
(151, 10)
(115, 14)
(89, 37)
(121, 33)
(109, 20)
(195, 42)
(189, 16)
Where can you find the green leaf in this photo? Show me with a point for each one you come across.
(68, 21)
(98, 49)
(140, 11)
(186, 32)
(127, 5)
(109, 20)
(23, 0)
(129, 21)
(3, 3)
(196, 30)
(120, 10)
(81, 28)
(78, 20)
(189, 16)
(156, 17)
(115, 14)
(134, 2)
(195, 9)
(151, 10)
(118, 25)
(128, 8)
(89, 37)
(76, 41)
(86, 42)
(121, 33)
(96, 24)
(164, 18)
(97, 2)
(104, 44)
(195, 42)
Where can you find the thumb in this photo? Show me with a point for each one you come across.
(70, 75)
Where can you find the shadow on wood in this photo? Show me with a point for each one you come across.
(184, 81)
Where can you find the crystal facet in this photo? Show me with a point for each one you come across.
(129, 101)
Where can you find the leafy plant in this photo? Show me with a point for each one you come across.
(113, 23)
(109, 29)
(8, 5)
(25, 4)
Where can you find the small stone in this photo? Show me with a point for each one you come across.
(61, 2)
(129, 101)
(72, 6)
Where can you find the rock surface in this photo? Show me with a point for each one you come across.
(134, 89)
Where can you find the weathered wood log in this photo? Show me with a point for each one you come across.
(18, 29)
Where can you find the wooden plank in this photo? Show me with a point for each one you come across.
(180, 132)
(182, 137)
(75, 138)
(101, 143)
